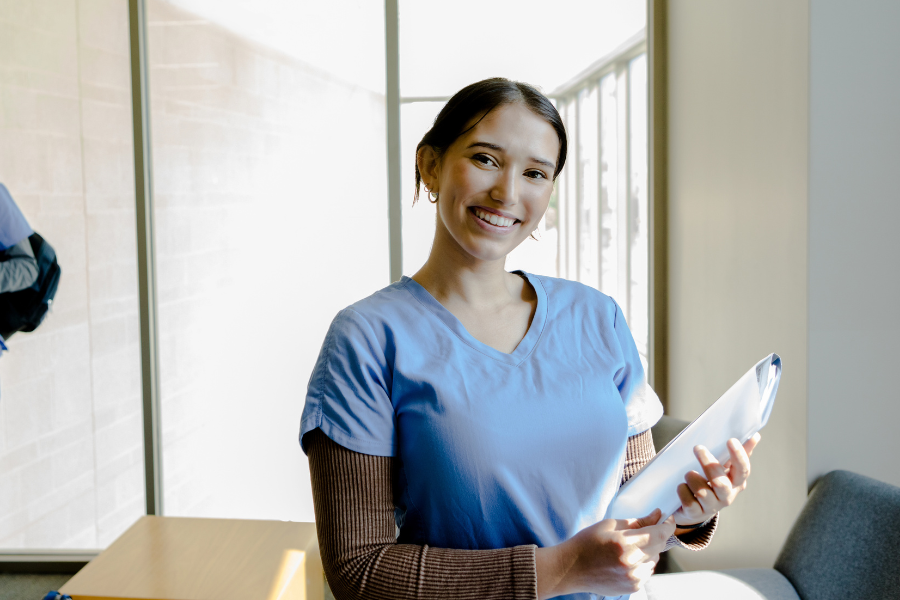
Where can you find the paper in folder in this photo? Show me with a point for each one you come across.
(741, 411)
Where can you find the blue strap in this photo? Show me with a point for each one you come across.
(54, 595)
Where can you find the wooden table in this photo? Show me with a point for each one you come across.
(176, 558)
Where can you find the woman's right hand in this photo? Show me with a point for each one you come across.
(611, 558)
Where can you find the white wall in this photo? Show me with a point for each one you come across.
(854, 248)
(738, 109)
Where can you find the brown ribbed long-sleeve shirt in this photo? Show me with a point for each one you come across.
(354, 505)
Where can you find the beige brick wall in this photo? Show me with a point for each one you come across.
(271, 216)
(270, 186)
(70, 434)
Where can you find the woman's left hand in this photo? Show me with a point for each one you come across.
(702, 497)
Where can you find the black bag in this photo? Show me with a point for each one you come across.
(25, 309)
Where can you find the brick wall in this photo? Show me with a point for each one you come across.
(70, 434)
(270, 199)
(270, 188)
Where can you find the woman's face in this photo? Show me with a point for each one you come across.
(494, 182)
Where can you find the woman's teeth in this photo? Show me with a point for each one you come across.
(494, 219)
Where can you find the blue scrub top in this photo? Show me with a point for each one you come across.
(13, 226)
(496, 450)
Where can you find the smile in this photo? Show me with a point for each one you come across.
(493, 219)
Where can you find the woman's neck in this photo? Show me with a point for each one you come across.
(480, 287)
(454, 279)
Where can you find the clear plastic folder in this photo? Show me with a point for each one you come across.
(741, 411)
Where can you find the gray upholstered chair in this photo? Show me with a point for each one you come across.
(844, 544)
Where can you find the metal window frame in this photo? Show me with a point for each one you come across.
(46, 561)
(623, 129)
(143, 198)
(657, 187)
(392, 102)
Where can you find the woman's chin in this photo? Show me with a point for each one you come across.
(477, 245)
(489, 251)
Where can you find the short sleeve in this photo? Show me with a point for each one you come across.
(349, 391)
(642, 405)
(18, 268)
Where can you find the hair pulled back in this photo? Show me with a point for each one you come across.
(479, 99)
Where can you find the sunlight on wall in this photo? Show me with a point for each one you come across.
(271, 216)
(71, 468)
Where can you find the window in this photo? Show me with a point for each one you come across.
(268, 164)
(71, 458)
(601, 210)
(579, 34)
(268, 156)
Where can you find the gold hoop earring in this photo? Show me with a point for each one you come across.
(432, 197)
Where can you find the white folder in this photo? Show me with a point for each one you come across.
(741, 411)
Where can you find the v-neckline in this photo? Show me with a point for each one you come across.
(526, 345)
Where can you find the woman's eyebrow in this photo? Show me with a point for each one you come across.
(485, 145)
(541, 161)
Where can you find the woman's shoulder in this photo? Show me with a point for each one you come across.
(388, 299)
(574, 294)
(389, 307)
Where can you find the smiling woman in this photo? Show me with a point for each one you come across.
(467, 427)
(489, 162)
(502, 167)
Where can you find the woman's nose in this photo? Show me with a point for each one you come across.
(504, 189)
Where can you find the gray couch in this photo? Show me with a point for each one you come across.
(845, 544)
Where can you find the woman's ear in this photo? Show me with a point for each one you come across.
(429, 165)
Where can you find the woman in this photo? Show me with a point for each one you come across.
(467, 427)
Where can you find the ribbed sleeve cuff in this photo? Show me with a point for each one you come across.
(697, 539)
(524, 572)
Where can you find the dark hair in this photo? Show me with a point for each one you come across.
(479, 99)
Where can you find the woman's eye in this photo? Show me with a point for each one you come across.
(535, 174)
(483, 159)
